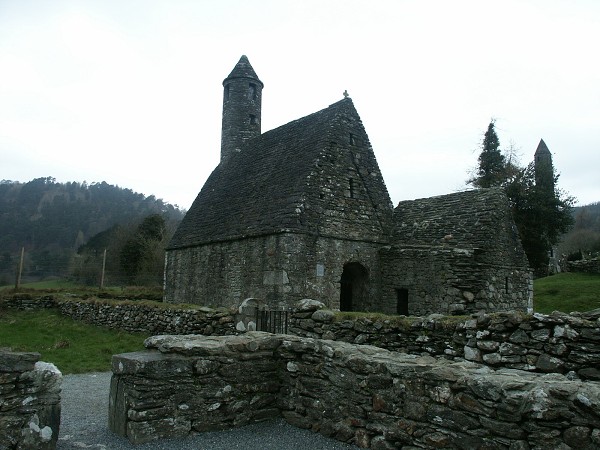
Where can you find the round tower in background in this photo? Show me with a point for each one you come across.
(544, 170)
(242, 98)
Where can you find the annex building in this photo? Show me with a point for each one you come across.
(302, 211)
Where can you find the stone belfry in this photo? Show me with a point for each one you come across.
(242, 95)
(544, 170)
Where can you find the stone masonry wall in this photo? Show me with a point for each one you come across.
(139, 318)
(214, 385)
(357, 394)
(27, 301)
(29, 402)
(452, 281)
(132, 316)
(279, 275)
(557, 342)
(561, 343)
(585, 266)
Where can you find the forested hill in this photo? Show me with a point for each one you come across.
(583, 240)
(43, 215)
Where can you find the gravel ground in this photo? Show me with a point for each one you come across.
(84, 424)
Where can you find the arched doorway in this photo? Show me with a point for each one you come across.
(353, 286)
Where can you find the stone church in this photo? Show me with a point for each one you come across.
(302, 211)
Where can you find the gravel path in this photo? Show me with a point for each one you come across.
(84, 424)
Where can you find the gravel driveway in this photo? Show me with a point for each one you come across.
(84, 425)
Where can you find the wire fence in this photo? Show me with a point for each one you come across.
(93, 270)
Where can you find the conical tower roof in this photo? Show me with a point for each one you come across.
(243, 69)
(542, 149)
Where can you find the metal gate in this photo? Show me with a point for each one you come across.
(272, 321)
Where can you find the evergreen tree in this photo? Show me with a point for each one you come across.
(142, 256)
(541, 216)
(492, 163)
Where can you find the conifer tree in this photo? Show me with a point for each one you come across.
(492, 163)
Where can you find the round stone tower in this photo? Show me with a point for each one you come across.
(544, 170)
(242, 94)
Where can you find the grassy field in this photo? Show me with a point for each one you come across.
(50, 284)
(63, 286)
(74, 347)
(566, 292)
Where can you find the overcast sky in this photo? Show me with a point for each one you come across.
(129, 91)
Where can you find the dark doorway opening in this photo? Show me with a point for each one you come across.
(402, 301)
(353, 287)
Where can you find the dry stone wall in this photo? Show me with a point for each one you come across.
(29, 402)
(364, 395)
(560, 343)
(193, 383)
(133, 316)
(141, 318)
(585, 266)
(27, 301)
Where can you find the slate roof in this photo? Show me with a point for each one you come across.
(263, 188)
(476, 219)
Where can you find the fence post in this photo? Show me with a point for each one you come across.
(103, 268)
(20, 269)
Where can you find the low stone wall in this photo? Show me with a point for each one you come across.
(27, 301)
(538, 343)
(199, 384)
(139, 318)
(358, 394)
(585, 266)
(561, 343)
(29, 402)
(133, 316)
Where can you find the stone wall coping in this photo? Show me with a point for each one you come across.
(200, 345)
(177, 346)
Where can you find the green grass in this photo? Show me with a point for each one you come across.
(74, 347)
(566, 292)
(50, 284)
(65, 286)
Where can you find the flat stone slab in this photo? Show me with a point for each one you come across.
(200, 345)
(18, 361)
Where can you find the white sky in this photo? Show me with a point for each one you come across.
(129, 91)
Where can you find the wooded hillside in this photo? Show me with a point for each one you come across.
(52, 220)
(583, 240)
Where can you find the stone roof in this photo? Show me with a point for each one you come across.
(477, 220)
(270, 185)
(542, 148)
(243, 69)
